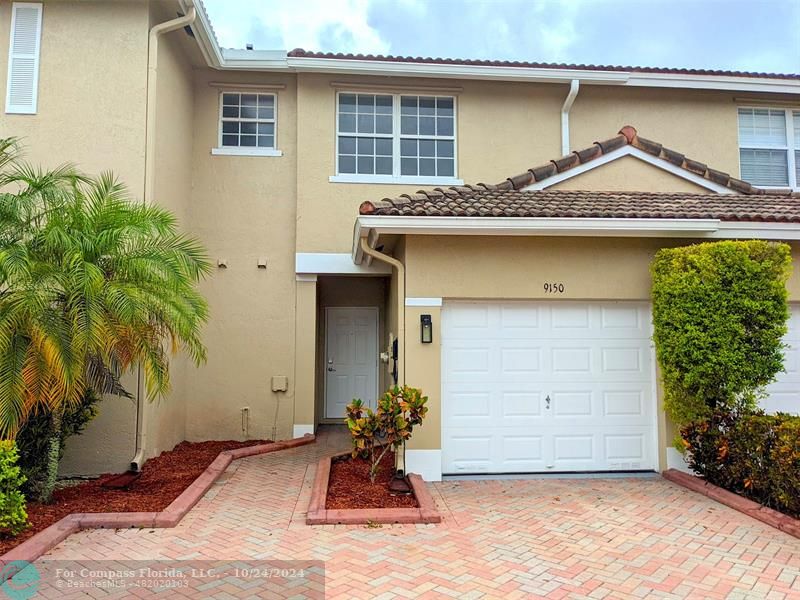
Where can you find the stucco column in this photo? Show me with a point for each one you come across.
(305, 354)
(423, 370)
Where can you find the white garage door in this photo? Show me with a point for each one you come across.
(784, 394)
(546, 387)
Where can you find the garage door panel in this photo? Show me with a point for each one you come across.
(559, 386)
(514, 450)
(493, 405)
(574, 317)
(784, 394)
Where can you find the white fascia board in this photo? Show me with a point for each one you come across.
(715, 82)
(758, 231)
(324, 263)
(204, 34)
(572, 227)
(627, 150)
(513, 226)
(452, 71)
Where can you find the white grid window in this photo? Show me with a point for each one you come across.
(769, 146)
(395, 137)
(247, 120)
(427, 136)
(365, 138)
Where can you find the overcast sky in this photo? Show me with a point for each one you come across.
(751, 35)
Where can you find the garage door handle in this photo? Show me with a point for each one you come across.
(547, 402)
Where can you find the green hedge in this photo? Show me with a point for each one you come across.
(13, 517)
(719, 316)
(755, 455)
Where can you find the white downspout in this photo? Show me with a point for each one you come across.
(565, 108)
(149, 189)
(399, 458)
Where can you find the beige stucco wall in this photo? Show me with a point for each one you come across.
(502, 268)
(504, 129)
(94, 119)
(243, 208)
(701, 124)
(629, 174)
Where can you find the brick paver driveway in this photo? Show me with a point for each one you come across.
(595, 538)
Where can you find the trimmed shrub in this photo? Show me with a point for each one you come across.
(373, 434)
(13, 517)
(719, 316)
(752, 454)
(33, 440)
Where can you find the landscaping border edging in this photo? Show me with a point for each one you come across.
(319, 515)
(49, 538)
(767, 515)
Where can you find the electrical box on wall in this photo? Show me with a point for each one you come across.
(280, 383)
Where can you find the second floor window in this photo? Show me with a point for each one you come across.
(247, 120)
(769, 146)
(396, 136)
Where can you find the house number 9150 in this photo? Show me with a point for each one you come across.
(554, 288)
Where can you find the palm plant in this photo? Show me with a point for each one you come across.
(92, 284)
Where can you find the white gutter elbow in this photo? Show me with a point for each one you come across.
(574, 86)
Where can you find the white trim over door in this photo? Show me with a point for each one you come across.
(351, 358)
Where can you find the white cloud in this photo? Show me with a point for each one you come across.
(340, 25)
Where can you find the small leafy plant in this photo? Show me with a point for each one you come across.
(373, 434)
(13, 516)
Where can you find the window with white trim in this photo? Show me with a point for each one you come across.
(395, 137)
(23, 58)
(247, 121)
(769, 146)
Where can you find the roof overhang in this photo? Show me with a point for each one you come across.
(278, 60)
(372, 227)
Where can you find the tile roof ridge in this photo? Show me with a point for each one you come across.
(627, 135)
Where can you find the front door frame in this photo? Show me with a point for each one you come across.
(368, 401)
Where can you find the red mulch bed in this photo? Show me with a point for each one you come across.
(349, 485)
(163, 479)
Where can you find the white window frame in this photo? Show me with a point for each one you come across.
(18, 109)
(221, 150)
(395, 177)
(789, 147)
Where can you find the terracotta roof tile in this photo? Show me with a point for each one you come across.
(508, 199)
(301, 53)
(628, 136)
(586, 204)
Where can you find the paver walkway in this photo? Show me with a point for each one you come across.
(576, 538)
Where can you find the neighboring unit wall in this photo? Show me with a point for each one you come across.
(90, 113)
(242, 209)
